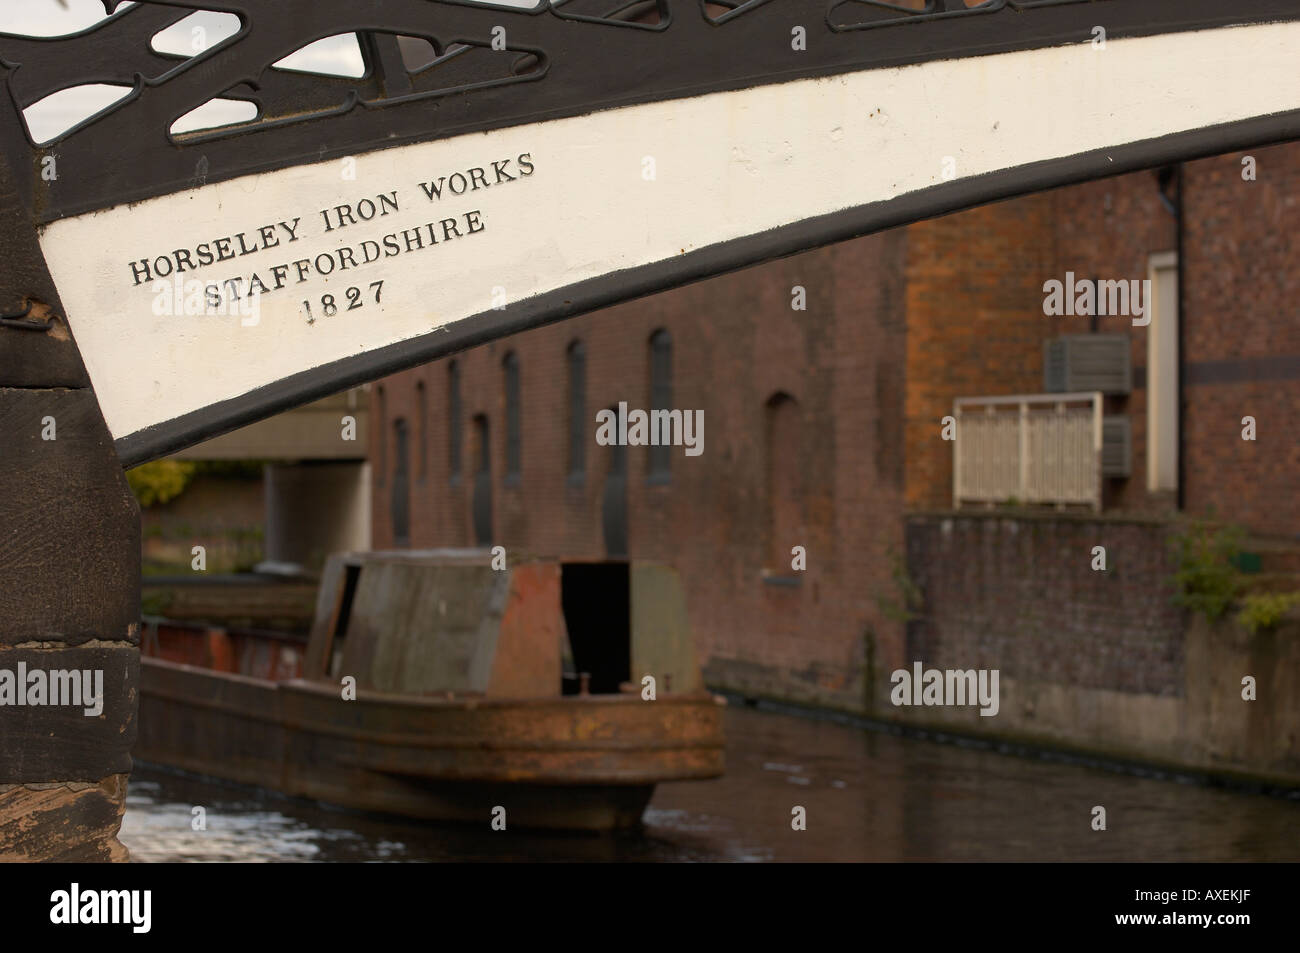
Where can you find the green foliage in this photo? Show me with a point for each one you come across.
(160, 480)
(1262, 611)
(1207, 577)
(1210, 579)
(909, 602)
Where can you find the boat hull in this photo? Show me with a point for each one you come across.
(573, 762)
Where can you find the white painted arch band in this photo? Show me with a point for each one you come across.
(725, 166)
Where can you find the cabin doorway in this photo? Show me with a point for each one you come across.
(596, 600)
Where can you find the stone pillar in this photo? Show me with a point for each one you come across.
(69, 572)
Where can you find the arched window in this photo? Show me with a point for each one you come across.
(482, 499)
(785, 463)
(381, 435)
(453, 421)
(577, 361)
(613, 505)
(400, 492)
(661, 399)
(514, 463)
(422, 446)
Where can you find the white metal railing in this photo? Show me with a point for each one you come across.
(1028, 448)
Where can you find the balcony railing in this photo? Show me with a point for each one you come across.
(1028, 448)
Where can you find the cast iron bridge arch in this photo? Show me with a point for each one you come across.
(775, 125)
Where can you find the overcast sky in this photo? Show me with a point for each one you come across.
(201, 30)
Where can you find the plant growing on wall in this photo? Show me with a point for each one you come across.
(908, 603)
(1209, 581)
(1207, 578)
(1262, 611)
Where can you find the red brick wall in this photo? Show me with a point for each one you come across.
(1242, 301)
(1109, 230)
(736, 342)
(1020, 595)
(897, 326)
(975, 323)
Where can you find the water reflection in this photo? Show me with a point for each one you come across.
(867, 796)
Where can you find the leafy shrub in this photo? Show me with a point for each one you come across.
(1208, 581)
(1262, 611)
(160, 480)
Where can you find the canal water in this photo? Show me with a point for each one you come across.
(867, 796)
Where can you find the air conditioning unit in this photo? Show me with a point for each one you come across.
(1116, 446)
(1074, 363)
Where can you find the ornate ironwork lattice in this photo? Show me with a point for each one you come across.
(564, 57)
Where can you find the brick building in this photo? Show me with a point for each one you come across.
(824, 430)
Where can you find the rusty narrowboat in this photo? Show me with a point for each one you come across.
(433, 685)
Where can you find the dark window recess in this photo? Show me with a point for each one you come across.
(577, 360)
(1093, 323)
(785, 464)
(513, 450)
(613, 504)
(381, 435)
(453, 421)
(422, 412)
(596, 598)
(482, 483)
(661, 398)
(400, 492)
